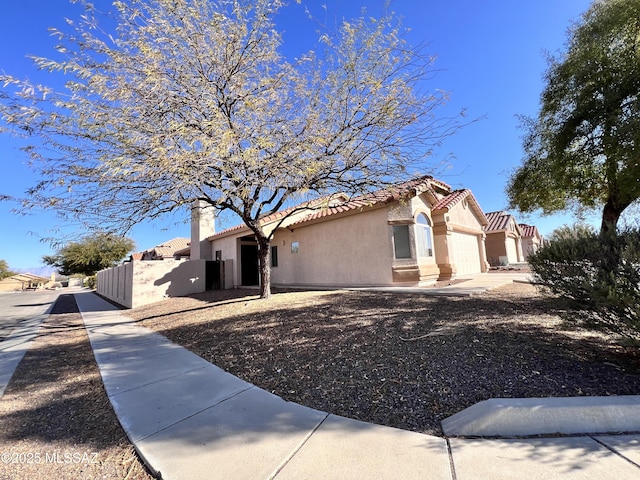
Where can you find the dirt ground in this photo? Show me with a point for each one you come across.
(57, 422)
(406, 361)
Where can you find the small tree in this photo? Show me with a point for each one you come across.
(194, 100)
(583, 148)
(91, 254)
(5, 272)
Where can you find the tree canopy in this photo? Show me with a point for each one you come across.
(583, 149)
(5, 271)
(194, 100)
(91, 254)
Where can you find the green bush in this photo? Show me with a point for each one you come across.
(600, 275)
(90, 282)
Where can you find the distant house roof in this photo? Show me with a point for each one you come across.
(454, 198)
(501, 221)
(341, 203)
(167, 249)
(185, 252)
(164, 250)
(25, 278)
(529, 231)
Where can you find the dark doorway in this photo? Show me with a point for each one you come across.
(249, 265)
(212, 275)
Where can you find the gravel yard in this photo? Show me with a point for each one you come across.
(406, 361)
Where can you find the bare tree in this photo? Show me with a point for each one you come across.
(194, 100)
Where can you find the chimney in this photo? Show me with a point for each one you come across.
(202, 226)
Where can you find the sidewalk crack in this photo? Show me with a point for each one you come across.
(451, 464)
(296, 450)
(612, 449)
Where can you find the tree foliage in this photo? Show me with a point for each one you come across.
(91, 254)
(583, 149)
(195, 100)
(569, 232)
(5, 271)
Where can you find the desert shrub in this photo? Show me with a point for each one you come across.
(90, 282)
(600, 275)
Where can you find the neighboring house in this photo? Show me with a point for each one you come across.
(413, 233)
(22, 281)
(531, 239)
(504, 239)
(164, 250)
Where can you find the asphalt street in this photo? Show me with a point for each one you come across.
(21, 314)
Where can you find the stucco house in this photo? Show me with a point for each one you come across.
(414, 233)
(531, 239)
(504, 239)
(22, 281)
(165, 250)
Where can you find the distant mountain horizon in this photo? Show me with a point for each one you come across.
(41, 271)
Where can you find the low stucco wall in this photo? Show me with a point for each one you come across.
(147, 281)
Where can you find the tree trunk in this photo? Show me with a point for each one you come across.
(610, 216)
(264, 266)
(610, 255)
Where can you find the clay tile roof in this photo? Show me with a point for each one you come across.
(529, 231)
(451, 200)
(383, 195)
(497, 221)
(183, 252)
(167, 249)
(341, 203)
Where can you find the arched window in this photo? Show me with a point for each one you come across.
(423, 234)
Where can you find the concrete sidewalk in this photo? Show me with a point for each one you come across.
(189, 419)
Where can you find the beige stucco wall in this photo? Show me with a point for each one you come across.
(147, 281)
(504, 246)
(529, 245)
(460, 242)
(116, 284)
(496, 247)
(229, 246)
(357, 249)
(352, 250)
(10, 285)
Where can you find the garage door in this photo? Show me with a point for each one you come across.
(466, 254)
(512, 251)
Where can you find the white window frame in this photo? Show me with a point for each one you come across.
(424, 235)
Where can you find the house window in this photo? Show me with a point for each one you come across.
(401, 243)
(295, 247)
(274, 256)
(425, 239)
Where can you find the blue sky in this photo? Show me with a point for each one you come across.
(490, 56)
